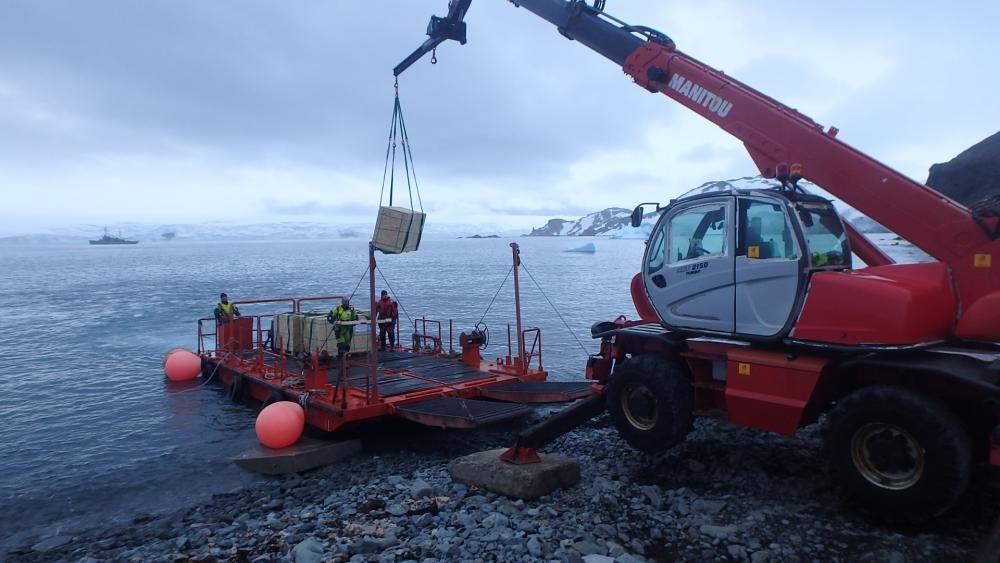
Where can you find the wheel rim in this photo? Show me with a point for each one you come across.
(639, 406)
(887, 456)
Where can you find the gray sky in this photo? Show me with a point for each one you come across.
(247, 111)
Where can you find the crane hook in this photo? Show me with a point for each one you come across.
(434, 56)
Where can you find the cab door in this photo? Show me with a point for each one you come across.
(688, 269)
(770, 272)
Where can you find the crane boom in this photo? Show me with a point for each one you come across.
(774, 133)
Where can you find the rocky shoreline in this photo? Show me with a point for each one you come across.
(727, 494)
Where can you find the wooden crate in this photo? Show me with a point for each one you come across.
(287, 332)
(398, 230)
(318, 333)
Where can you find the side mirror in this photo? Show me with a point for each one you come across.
(806, 218)
(637, 216)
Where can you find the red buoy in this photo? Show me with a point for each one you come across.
(181, 365)
(296, 408)
(280, 424)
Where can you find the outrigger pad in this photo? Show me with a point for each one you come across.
(455, 412)
(539, 391)
(302, 456)
(529, 481)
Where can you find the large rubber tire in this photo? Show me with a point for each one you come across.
(235, 389)
(650, 400)
(896, 454)
(273, 397)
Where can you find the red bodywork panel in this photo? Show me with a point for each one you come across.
(766, 390)
(762, 389)
(890, 305)
(641, 301)
(980, 321)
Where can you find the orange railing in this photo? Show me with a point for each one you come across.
(420, 335)
(536, 342)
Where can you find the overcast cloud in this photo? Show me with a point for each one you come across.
(189, 111)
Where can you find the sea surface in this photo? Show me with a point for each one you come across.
(91, 434)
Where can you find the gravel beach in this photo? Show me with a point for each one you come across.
(726, 494)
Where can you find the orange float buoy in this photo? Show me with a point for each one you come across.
(280, 424)
(171, 352)
(296, 408)
(181, 365)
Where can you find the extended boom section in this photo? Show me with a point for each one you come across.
(774, 133)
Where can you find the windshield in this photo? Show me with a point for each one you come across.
(824, 234)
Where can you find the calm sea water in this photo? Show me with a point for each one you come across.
(91, 433)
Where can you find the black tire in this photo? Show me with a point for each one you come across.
(650, 400)
(897, 454)
(235, 389)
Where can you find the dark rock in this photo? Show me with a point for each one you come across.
(420, 489)
(535, 547)
(589, 548)
(51, 543)
(711, 507)
(308, 551)
(972, 175)
(721, 533)
(370, 505)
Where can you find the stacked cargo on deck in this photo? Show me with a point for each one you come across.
(309, 331)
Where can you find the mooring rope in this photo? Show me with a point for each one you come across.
(555, 309)
(209, 380)
(394, 294)
(511, 270)
(363, 274)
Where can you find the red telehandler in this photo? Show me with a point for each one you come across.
(749, 305)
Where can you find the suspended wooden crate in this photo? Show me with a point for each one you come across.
(398, 230)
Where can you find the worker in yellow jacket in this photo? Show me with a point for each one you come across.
(344, 332)
(224, 310)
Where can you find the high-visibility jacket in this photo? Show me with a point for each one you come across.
(344, 332)
(226, 310)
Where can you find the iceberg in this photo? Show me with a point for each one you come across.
(589, 247)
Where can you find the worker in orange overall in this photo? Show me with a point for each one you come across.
(387, 315)
(224, 310)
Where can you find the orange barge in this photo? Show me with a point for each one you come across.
(423, 382)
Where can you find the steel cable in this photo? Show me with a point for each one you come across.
(555, 309)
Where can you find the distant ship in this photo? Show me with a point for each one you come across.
(108, 239)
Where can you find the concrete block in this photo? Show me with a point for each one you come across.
(303, 456)
(530, 481)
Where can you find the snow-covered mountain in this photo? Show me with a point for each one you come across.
(614, 222)
(589, 225)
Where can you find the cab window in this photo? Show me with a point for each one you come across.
(655, 260)
(825, 236)
(697, 233)
(764, 232)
